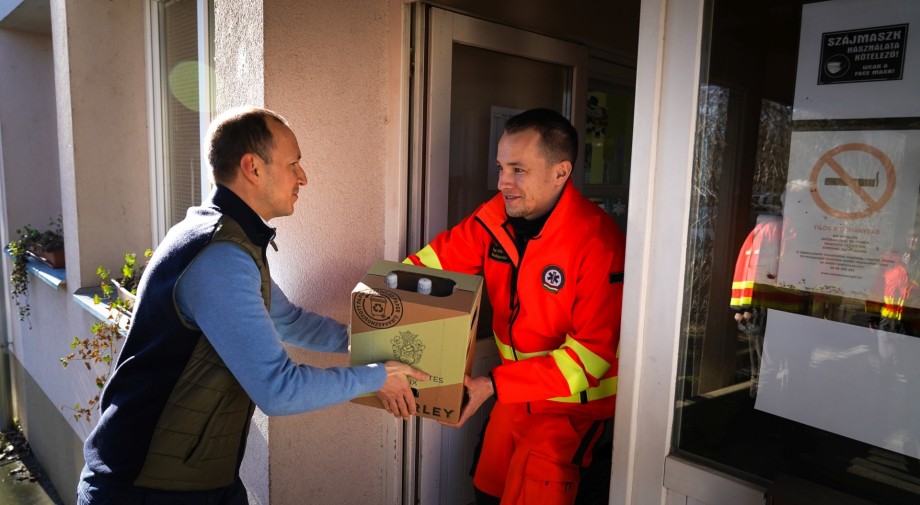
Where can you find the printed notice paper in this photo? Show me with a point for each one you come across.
(856, 382)
(850, 206)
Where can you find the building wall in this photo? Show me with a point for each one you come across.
(326, 71)
(240, 80)
(74, 142)
(324, 66)
(101, 83)
(27, 131)
(31, 193)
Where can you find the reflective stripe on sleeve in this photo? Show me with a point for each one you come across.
(607, 387)
(571, 370)
(595, 365)
(427, 257)
(508, 353)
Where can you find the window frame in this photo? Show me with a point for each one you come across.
(157, 108)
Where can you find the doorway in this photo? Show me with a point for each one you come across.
(470, 75)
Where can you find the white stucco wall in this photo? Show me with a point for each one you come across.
(324, 66)
(31, 194)
(238, 54)
(326, 70)
(100, 67)
(75, 78)
(100, 81)
(73, 109)
(28, 131)
(239, 80)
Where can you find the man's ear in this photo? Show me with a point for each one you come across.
(562, 171)
(250, 168)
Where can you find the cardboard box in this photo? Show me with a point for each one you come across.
(434, 333)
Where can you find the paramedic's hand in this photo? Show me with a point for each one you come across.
(479, 390)
(396, 395)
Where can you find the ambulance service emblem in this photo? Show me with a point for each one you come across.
(553, 278)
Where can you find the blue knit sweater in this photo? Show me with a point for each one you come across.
(249, 339)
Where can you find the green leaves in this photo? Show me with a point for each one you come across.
(98, 351)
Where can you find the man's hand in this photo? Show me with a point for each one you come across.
(479, 389)
(395, 394)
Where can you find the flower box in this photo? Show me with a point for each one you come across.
(54, 259)
(126, 296)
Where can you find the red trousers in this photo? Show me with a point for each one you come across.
(529, 459)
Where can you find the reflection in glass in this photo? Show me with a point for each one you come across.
(801, 310)
(608, 146)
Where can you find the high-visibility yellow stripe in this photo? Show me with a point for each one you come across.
(607, 387)
(508, 353)
(742, 284)
(428, 257)
(594, 364)
(573, 373)
(740, 301)
(893, 307)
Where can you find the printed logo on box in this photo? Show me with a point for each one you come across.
(407, 347)
(378, 309)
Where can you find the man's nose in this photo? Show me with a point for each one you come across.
(504, 179)
(302, 177)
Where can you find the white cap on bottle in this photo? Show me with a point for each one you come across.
(391, 280)
(424, 286)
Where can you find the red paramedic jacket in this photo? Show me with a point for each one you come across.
(556, 309)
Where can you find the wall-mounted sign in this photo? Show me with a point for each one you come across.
(857, 60)
(850, 206)
(870, 54)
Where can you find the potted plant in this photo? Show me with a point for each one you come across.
(46, 246)
(131, 272)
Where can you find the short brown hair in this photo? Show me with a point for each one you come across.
(558, 138)
(235, 133)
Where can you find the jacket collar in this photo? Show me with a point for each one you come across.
(228, 203)
(492, 215)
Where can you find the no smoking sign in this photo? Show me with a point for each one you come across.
(852, 181)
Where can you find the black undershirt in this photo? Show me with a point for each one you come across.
(526, 229)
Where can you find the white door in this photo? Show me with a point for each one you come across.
(475, 75)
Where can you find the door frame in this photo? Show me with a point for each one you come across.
(446, 28)
(644, 472)
(435, 31)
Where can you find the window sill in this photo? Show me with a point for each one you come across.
(709, 485)
(86, 298)
(54, 277)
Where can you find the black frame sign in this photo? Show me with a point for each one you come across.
(867, 54)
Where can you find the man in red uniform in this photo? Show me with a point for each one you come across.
(553, 266)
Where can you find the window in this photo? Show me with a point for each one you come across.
(181, 111)
(802, 309)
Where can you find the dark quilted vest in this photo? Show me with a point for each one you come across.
(173, 416)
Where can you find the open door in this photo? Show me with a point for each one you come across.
(471, 76)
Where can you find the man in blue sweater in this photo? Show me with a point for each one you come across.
(205, 344)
